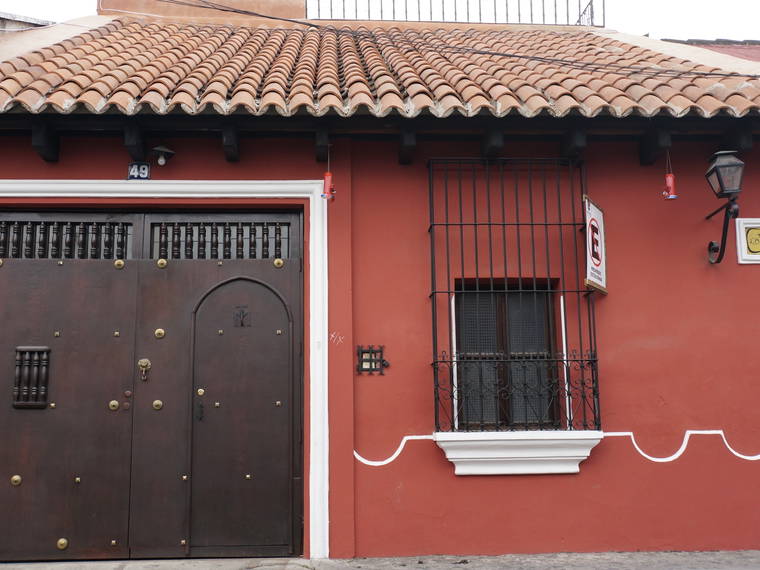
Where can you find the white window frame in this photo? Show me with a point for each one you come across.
(528, 452)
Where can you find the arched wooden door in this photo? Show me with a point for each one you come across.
(241, 429)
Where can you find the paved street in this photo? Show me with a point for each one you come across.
(747, 559)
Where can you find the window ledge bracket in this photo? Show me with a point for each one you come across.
(517, 452)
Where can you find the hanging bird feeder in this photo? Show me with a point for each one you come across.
(669, 193)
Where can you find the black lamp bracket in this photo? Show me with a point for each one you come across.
(716, 250)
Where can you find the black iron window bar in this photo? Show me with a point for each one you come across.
(65, 240)
(514, 344)
(222, 240)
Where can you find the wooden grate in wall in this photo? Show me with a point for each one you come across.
(30, 382)
(220, 240)
(71, 239)
(190, 235)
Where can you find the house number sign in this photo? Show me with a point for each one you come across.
(748, 240)
(596, 254)
(138, 171)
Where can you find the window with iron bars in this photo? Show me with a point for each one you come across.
(513, 323)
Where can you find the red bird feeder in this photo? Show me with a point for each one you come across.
(670, 180)
(328, 192)
(670, 187)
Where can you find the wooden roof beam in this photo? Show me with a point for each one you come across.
(493, 143)
(322, 144)
(574, 142)
(230, 143)
(738, 138)
(653, 144)
(134, 141)
(45, 141)
(407, 146)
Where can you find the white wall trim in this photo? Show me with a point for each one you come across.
(395, 454)
(517, 452)
(202, 189)
(684, 444)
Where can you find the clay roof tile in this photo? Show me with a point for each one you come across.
(10, 86)
(61, 101)
(739, 105)
(301, 100)
(30, 99)
(122, 100)
(330, 101)
(93, 100)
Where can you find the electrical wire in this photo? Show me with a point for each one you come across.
(4, 31)
(425, 45)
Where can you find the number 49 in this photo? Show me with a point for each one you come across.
(139, 171)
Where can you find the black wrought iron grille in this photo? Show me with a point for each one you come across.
(514, 344)
(549, 12)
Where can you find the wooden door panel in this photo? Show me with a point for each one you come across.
(161, 499)
(242, 429)
(73, 458)
(161, 461)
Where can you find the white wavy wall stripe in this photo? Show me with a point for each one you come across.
(684, 444)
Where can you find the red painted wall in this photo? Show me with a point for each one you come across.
(676, 351)
(751, 52)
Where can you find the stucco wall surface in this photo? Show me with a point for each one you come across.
(676, 339)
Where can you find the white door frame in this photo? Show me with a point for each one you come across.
(311, 190)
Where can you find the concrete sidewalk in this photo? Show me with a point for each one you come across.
(749, 559)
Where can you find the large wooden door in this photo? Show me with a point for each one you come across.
(197, 453)
(66, 355)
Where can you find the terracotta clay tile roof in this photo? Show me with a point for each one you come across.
(134, 67)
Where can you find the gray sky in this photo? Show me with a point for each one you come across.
(681, 19)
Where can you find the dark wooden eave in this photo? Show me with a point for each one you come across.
(495, 136)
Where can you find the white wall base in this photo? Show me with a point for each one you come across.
(517, 452)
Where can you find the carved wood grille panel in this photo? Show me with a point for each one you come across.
(114, 235)
(30, 381)
(65, 239)
(220, 240)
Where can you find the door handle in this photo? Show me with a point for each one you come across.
(143, 365)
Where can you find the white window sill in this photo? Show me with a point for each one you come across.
(517, 452)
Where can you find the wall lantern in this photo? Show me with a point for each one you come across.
(725, 178)
(163, 154)
(370, 359)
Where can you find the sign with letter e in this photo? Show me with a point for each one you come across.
(596, 252)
